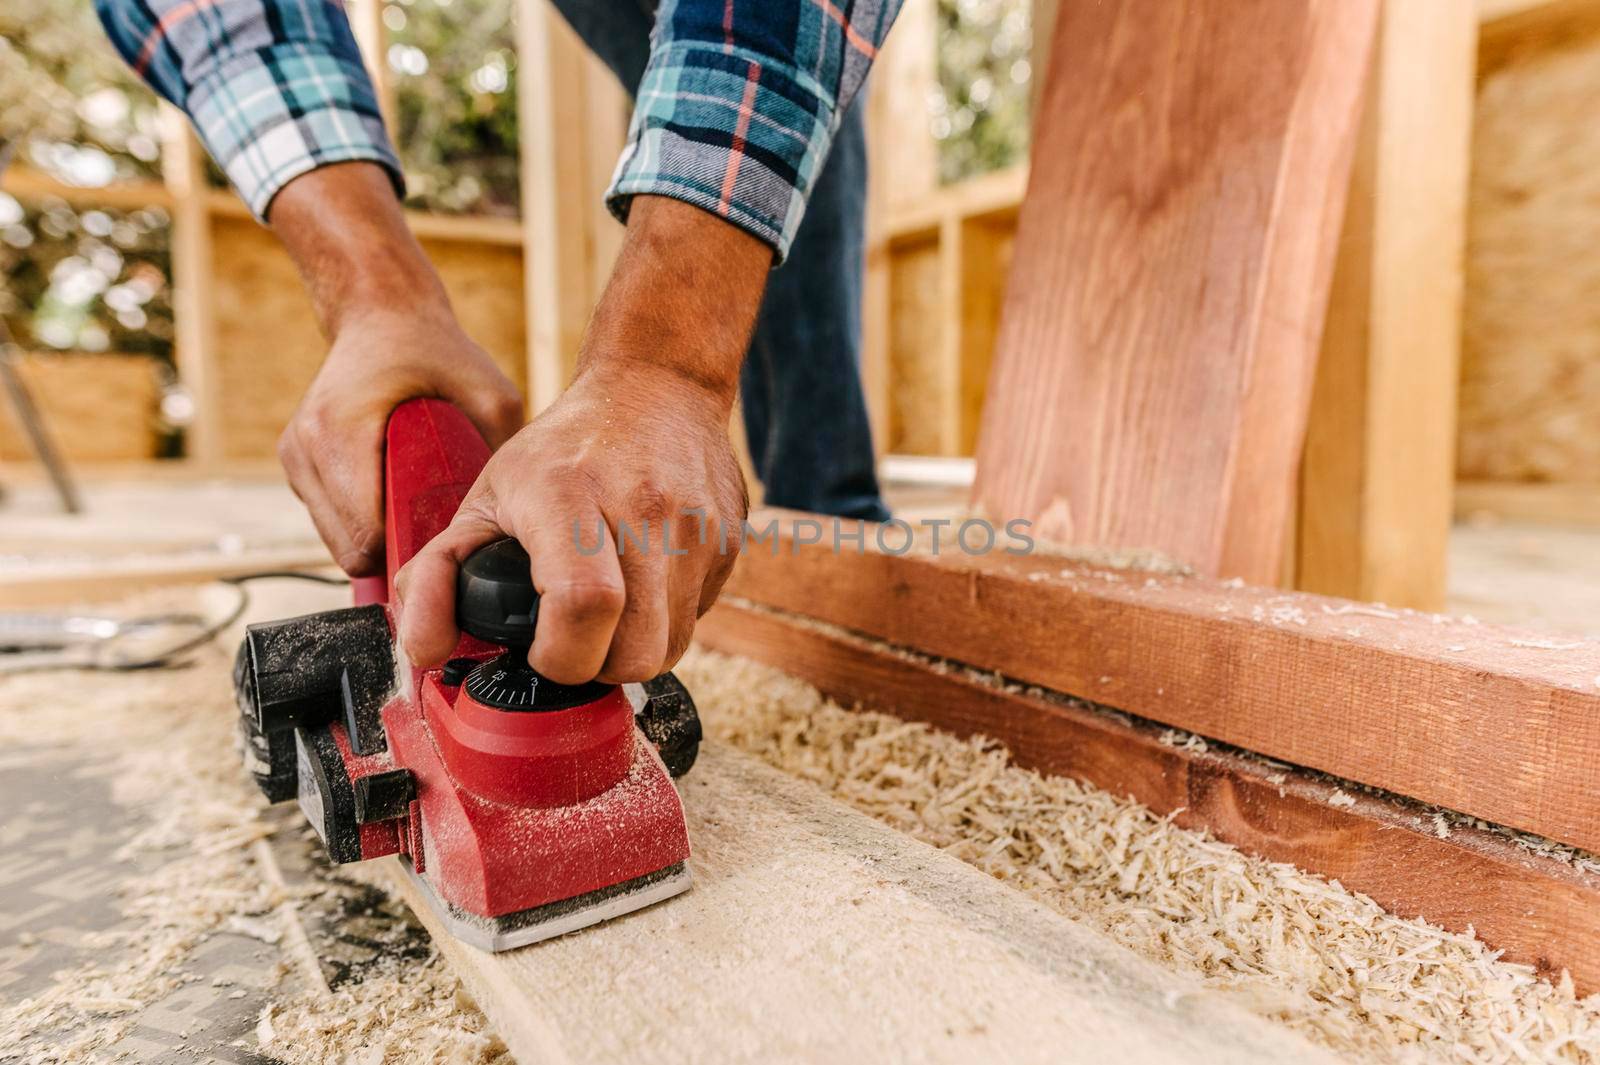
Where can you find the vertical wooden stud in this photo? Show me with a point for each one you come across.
(903, 166)
(1378, 473)
(366, 22)
(555, 263)
(184, 174)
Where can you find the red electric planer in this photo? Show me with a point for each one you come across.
(524, 808)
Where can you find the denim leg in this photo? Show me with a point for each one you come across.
(616, 31)
(805, 415)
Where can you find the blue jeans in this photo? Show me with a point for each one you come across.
(804, 413)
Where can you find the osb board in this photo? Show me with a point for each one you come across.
(988, 245)
(268, 345)
(98, 407)
(1530, 375)
(915, 385)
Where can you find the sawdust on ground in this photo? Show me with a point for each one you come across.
(1292, 946)
(172, 734)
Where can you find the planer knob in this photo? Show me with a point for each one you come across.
(495, 599)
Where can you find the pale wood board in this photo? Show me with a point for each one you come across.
(1153, 367)
(816, 934)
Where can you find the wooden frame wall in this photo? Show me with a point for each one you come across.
(1378, 485)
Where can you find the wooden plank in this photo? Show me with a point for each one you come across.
(103, 582)
(456, 228)
(1155, 358)
(193, 306)
(997, 194)
(902, 168)
(1550, 504)
(816, 934)
(555, 262)
(1538, 909)
(1493, 722)
(26, 183)
(905, 72)
(1504, 26)
(366, 22)
(1379, 467)
(605, 131)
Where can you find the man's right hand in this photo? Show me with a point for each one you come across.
(392, 337)
(332, 449)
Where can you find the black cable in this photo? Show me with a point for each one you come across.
(285, 574)
(166, 659)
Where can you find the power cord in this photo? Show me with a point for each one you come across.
(100, 654)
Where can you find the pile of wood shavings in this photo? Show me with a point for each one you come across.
(168, 739)
(1290, 945)
(408, 1013)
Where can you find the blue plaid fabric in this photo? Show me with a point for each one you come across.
(739, 104)
(735, 113)
(275, 87)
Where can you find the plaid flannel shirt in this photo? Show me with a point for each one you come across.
(735, 113)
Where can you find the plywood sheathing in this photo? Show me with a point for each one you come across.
(1530, 376)
(97, 407)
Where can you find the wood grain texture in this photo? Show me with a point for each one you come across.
(1537, 909)
(1154, 361)
(1490, 721)
(814, 934)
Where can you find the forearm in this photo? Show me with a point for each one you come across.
(349, 239)
(682, 299)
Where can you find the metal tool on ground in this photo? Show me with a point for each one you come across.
(524, 808)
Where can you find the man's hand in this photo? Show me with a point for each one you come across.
(636, 448)
(393, 337)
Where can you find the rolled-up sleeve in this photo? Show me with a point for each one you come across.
(739, 103)
(275, 88)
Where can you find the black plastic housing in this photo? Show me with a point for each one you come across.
(303, 673)
(495, 599)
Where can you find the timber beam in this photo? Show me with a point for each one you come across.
(1488, 721)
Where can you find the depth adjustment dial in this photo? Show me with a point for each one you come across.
(496, 601)
(507, 682)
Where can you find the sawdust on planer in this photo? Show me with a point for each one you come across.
(1290, 945)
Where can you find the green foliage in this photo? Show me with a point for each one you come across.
(79, 279)
(454, 67)
(980, 113)
(68, 105)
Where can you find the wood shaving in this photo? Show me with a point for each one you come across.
(168, 741)
(1326, 961)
